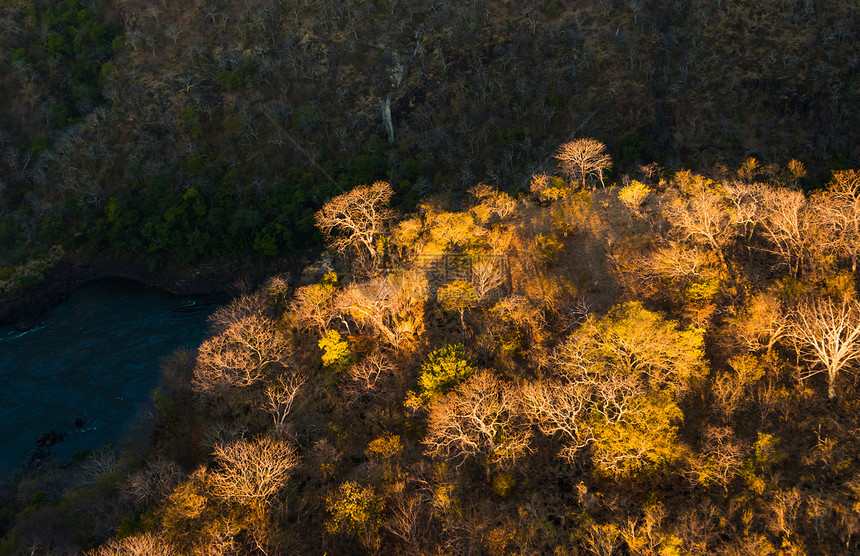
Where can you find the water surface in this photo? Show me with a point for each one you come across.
(91, 366)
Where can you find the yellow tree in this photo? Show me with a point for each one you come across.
(458, 296)
(353, 222)
(582, 158)
(620, 376)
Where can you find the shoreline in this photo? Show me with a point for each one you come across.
(23, 309)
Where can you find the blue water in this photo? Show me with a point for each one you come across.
(89, 369)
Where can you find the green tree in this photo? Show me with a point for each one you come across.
(444, 369)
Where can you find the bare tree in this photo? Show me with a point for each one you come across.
(240, 355)
(405, 519)
(561, 408)
(153, 482)
(145, 544)
(829, 335)
(352, 222)
(677, 260)
(488, 274)
(364, 380)
(720, 459)
(838, 211)
(252, 472)
(701, 213)
(477, 419)
(785, 222)
(584, 157)
(238, 308)
(279, 397)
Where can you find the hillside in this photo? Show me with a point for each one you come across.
(213, 130)
(666, 367)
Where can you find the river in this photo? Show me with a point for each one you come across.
(84, 375)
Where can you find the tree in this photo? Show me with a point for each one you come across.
(240, 355)
(313, 305)
(619, 377)
(153, 482)
(720, 458)
(353, 222)
(761, 323)
(240, 307)
(561, 407)
(279, 397)
(785, 221)
(838, 211)
(336, 354)
(252, 472)
(479, 418)
(701, 212)
(445, 368)
(365, 380)
(488, 274)
(583, 158)
(637, 342)
(356, 512)
(458, 296)
(634, 195)
(392, 305)
(829, 335)
(144, 544)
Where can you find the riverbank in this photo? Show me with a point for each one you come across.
(23, 309)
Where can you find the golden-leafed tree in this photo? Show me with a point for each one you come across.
(353, 222)
(583, 158)
(620, 376)
(313, 305)
(392, 306)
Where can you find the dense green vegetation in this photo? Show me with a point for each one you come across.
(183, 134)
(665, 366)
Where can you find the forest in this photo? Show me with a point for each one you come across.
(185, 133)
(660, 366)
(582, 278)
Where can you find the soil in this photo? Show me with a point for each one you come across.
(23, 309)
